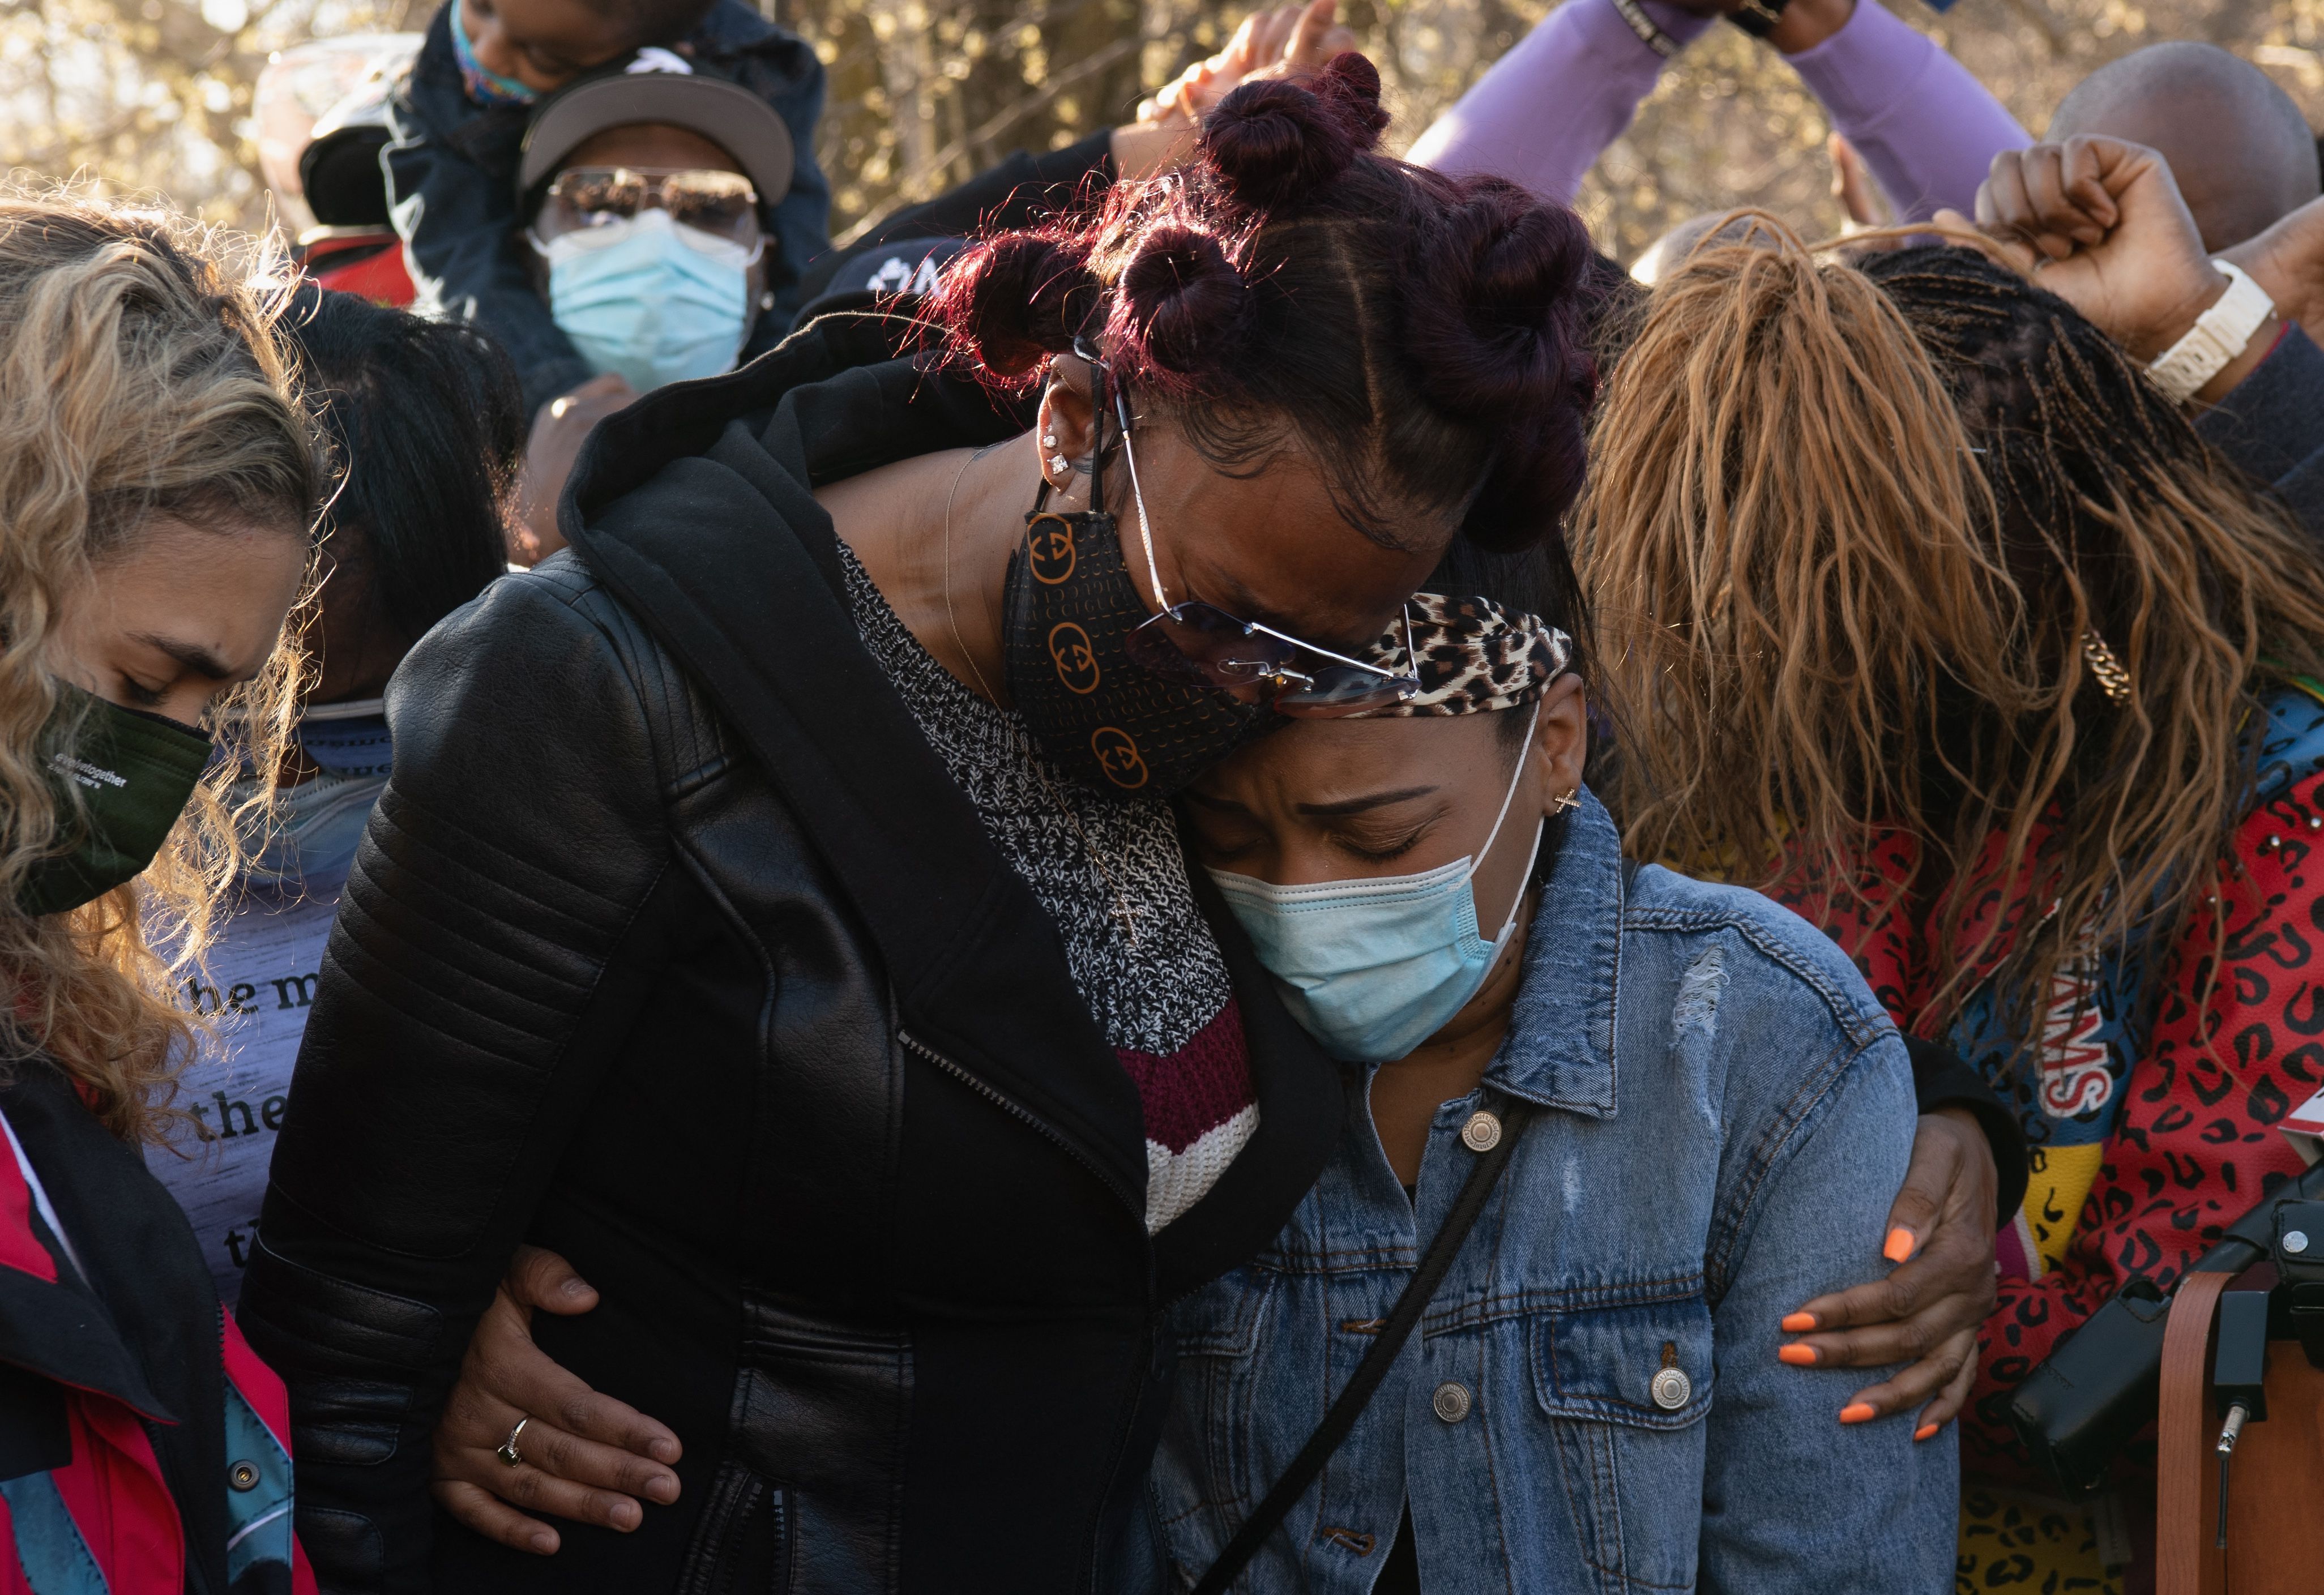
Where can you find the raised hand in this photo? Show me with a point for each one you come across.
(1851, 185)
(1286, 40)
(2288, 261)
(2102, 222)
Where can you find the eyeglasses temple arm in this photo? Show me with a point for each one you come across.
(1337, 658)
(1088, 351)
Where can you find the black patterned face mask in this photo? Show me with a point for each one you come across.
(1068, 606)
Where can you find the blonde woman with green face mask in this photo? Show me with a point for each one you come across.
(155, 499)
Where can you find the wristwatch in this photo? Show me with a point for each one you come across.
(1758, 17)
(1643, 25)
(2217, 337)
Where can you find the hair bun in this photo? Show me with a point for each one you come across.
(1351, 82)
(1502, 335)
(1275, 142)
(1181, 305)
(1015, 301)
(1501, 327)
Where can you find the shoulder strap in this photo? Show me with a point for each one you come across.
(1342, 1416)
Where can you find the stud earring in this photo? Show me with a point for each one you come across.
(1565, 800)
(1048, 439)
(1059, 464)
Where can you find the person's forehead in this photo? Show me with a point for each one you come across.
(559, 23)
(651, 144)
(1325, 763)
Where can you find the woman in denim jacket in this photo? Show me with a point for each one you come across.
(1720, 1114)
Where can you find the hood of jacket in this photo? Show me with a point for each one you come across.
(696, 507)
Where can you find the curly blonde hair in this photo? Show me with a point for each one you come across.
(140, 376)
(1859, 535)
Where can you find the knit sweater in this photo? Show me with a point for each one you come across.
(1157, 985)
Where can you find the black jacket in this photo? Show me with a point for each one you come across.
(2272, 426)
(673, 947)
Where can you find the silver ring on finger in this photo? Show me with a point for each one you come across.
(506, 1451)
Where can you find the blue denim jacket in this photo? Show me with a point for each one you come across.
(1728, 1115)
(451, 178)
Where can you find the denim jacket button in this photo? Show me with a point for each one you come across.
(1482, 1133)
(1452, 1399)
(1672, 1388)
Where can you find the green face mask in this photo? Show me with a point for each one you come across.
(134, 772)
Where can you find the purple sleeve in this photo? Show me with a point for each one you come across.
(1926, 127)
(1544, 112)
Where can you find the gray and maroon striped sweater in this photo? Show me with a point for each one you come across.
(1163, 1001)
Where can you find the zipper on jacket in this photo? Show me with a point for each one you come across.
(1018, 1110)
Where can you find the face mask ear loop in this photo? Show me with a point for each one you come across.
(1539, 826)
(1510, 796)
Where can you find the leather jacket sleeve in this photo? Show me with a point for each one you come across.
(497, 928)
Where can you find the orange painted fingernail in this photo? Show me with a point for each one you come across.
(1900, 1245)
(1798, 1355)
(1924, 1431)
(1798, 1323)
(1858, 1412)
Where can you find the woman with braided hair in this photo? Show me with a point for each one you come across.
(1926, 612)
(777, 909)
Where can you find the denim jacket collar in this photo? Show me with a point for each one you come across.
(1560, 1048)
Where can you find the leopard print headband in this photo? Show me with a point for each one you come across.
(1474, 656)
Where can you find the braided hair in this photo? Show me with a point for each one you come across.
(1855, 526)
(1425, 340)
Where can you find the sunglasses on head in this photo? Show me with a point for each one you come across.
(1198, 644)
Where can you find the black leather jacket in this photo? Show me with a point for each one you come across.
(672, 946)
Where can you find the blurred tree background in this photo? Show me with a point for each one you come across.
(155, 95)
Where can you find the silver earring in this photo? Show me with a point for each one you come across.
(1048, 439)
(1059, 464)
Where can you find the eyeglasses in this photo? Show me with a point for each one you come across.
(1199, 644)
(585, 197)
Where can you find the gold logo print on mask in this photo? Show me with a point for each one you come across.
(1076, 659)
(1118, 756)
(1111, 725)
(1049, 546)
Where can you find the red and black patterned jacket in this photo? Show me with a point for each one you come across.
(2144, 1142)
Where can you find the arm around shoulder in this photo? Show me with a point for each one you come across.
(460, 1021)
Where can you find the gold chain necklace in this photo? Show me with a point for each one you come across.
(1121, 909)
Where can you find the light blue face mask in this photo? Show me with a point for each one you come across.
(1373, 968)
(319, 821)
(651, 298)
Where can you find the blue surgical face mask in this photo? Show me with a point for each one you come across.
(1373, 968)
(319, 821)
(651, 298)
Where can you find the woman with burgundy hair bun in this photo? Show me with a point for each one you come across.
(778, 916)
